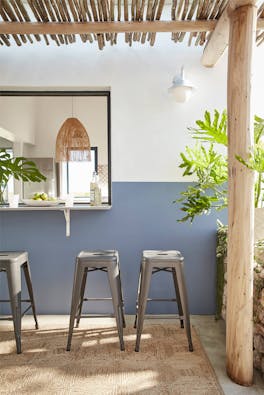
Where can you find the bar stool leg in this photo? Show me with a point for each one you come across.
(184, 299)
(113, 282)
(78, 276)
(27, 275)
(84, 279)
(14, 285)
(145, 284)
(178, 297)
(121, 298)
(138, 294)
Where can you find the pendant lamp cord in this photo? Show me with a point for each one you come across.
(72, 106)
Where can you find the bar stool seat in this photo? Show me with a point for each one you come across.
(12, 262)
(154, 261)
(89, 261)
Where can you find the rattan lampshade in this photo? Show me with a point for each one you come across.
(72, 142)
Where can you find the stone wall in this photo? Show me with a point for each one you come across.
(258, 306)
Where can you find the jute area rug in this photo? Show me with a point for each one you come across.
(96, 366)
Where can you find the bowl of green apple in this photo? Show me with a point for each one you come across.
(41, 199)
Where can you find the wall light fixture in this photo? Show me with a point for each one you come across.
(181, 88)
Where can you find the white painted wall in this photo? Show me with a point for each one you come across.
(51, 112)
(42, 119)
(148, 129)
(18, 115)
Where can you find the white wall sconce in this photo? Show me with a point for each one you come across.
(181, 88)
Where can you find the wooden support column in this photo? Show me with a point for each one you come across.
(239, 344)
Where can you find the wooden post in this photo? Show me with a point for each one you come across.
(239, 340)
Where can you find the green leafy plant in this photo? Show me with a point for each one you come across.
(20, 168)
(210, 167)
(256, 160)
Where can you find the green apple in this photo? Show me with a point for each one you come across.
(36, 196)
(44, 196)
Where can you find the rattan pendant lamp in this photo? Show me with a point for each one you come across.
(72, 143)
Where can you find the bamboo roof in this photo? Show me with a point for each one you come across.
(62, 21)
(260, 33)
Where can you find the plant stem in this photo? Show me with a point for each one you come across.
(258, 189)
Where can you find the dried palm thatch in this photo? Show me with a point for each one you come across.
(105, 11)
(73, 143)
(260, 33)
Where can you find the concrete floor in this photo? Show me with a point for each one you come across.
(212, 335)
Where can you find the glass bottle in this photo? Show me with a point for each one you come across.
(95, 191)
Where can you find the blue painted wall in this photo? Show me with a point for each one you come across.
(143, 217)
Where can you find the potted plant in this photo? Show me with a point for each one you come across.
(20, 168)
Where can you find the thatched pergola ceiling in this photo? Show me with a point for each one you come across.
(101, 20)
(260, 33)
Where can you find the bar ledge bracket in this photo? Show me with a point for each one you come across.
(67, 216)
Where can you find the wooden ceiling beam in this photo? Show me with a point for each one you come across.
(218, 42)
(215, 48)
(105, 27)
(123, 27)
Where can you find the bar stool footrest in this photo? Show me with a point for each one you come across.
(95, 299)
(8, 300)
(163, 316)
(97, 316)
(160, 300)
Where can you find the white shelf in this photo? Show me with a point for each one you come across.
(60, 207)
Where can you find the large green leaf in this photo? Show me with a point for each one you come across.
(258, 129)
(213, 131)
(20, 168)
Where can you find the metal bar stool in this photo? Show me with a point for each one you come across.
(12, 263)
(153, 262)
(89, 261)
